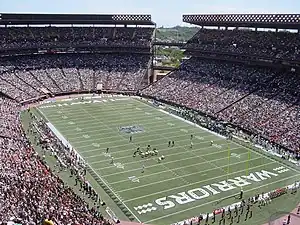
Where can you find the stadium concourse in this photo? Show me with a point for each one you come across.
(262, 100)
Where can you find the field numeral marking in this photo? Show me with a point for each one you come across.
(119, 165)
(148, 113)
(64, 117)
(158, 118)
(235, 155)
(97, 145)
(171, 124)
(217, 146)
(71, 122)
(184, 130)
(108, 155)
(199, 138)
(86, 136)
(78, 129)
(134, 179)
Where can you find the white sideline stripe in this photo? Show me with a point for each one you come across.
(133, 162)
(219, 199)
(264, 157)
(131, 150)
(112, 174)
(178, 187)
(126, 180)
(119, 198)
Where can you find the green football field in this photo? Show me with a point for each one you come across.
(189, 181)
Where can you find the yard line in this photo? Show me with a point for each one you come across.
(213, 178)
(116, 122)
(153, 174)
(188, 150)
(87, 129)
(113, 115)
(131, 150)
(182, 159)
(117, 196)
(220, 199)
(174, 173)
(145, 135)
(109, 112)
(112, 174)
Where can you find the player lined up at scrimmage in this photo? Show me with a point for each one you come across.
(152, 151)
(149, 152)
(171, 144)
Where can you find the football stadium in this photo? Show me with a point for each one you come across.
(90, 135)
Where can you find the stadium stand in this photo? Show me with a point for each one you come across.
(44, 61)
(24, 79)
(281, 45)
(260, 95)
(37, 62)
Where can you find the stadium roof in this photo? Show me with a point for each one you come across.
(43, 19)
(280, 21)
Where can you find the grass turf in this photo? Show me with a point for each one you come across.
(91, 128)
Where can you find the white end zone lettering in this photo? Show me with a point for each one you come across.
(264, 175)
(165, 203)
(203, 192)
(182, 198)
(239, 182)
(224, 186)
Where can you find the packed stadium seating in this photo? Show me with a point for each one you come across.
(27, 77)
(32, 37)
(30, 192)
(280, 45)
(261, 100)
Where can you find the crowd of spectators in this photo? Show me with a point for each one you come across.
(27, 77)
(280, 45)
(29, 192)
(262, 100)
(41, 37)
